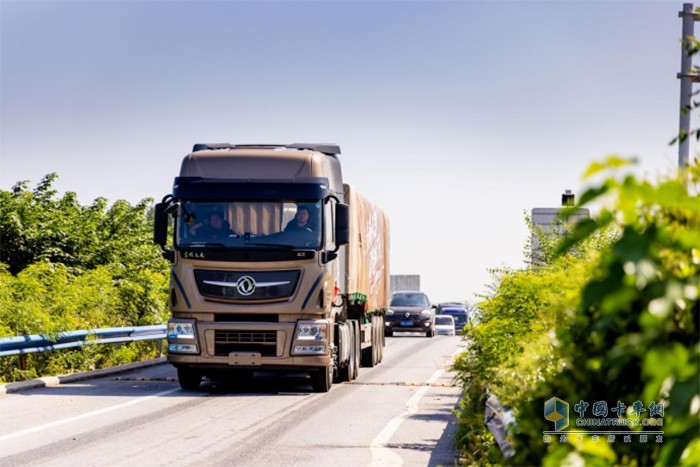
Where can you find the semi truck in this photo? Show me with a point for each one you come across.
(277, 264)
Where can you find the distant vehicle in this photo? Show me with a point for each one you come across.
(458, 312)
(444, 325)
(410, 311)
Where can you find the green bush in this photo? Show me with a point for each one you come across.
(65, 267)
(511, 348)
(613, 316)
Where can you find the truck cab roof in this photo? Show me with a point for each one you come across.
(281, 162)
(326, 148)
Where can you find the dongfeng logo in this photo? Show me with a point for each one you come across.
(245, 285)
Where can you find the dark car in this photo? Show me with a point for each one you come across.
(410, 312)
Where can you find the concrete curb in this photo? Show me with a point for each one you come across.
(49, 381)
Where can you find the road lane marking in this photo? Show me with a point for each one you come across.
(382, 456)
(400, 383)
(143, 379)
(95, 413)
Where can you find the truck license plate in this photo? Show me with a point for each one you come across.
(245, 358)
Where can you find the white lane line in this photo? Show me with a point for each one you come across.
(95, 413)
(383, 456)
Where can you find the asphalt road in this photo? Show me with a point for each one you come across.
(397, 413)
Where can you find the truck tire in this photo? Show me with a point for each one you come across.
(368, 353)
(189, 379)
(322, 379)
(383, 326)
(380, 339)
(377, 345)
(356, 333)
(347, 373)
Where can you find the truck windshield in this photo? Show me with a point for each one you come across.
(249, 224)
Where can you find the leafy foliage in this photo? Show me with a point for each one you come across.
(512, 347)
(65, 267)
(615, 315)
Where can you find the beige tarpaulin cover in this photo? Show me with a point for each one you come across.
(367, 268)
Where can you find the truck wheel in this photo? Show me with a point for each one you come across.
(347, 373)
(322, 379)
(189, 379)
(380, 339)
(383, 326)
(356, 333)
(369, 354)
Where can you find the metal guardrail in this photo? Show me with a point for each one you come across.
(21, 345)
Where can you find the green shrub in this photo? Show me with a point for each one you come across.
(66, 267)
(612, 316)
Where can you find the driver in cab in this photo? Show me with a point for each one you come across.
(303, 221)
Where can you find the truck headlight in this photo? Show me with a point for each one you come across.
(311, 331)
(182, 330)
(311, 338)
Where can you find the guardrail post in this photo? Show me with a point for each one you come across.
(23, 362)
(159, 346)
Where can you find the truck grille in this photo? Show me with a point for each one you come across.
(263, 342)
(240, 286)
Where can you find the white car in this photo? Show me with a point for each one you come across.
(444, 325)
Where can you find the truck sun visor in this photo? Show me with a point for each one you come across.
(197, 188)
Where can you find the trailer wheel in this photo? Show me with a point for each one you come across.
(189, 379)
(356, 333)
(322, 379)
(377, 344)
(380, 339)
(368, 353)
(383, 326)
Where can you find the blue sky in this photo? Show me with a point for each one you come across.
(455, 117)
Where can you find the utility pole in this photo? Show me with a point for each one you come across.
(688, 76)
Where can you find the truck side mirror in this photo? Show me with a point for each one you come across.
(160, 225)
(342, 224)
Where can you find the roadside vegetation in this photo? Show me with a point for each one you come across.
(609, 312)
(65, 266)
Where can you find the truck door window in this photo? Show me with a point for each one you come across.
(328, 225)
